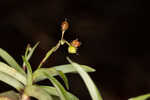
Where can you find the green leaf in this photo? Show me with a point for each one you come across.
(67, 68)
(37, 92)
(29, 52)
(143, 97)
(95, 94)
(53, 91)
(60, 89)
(28, 48)
(11, 81)
(11, 61)
(29, 71)
(32, 50)
(64, 78)
(10, 94)
(38, 74)
(12, 72)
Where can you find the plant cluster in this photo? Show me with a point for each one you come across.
(24, 79)
(25, 82)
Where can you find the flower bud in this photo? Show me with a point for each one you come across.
(64, 25)
(75, 43)
(72, 49)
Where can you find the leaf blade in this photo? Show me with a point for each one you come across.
(52, 91)
(142, 97)
(60, 89)
(32, 51)
(10, 94)
(67, 68)
(37, 92)
(11, 61)
(11, 81)
(12, 72)
(64, 78)
(95, 94)
(29, 71)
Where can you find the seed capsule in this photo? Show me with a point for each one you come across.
(64, 25)
(72, 49)
(75, 43)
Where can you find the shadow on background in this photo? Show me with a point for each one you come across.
(113, 34)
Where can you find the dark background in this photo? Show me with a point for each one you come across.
(113, 33)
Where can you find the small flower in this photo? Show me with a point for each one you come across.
(75, 43)
(64, 25)
(72, 49)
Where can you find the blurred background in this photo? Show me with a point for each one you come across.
(114, 38)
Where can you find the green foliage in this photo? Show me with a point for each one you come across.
(64, 77)
(60, 89)
(11, 81)
(38, 74)
(12, 72)
(25, 82)
(95, 94)
(10, 94)
(11, 61)
(142, 97)
(37, 92)
(14, 77)
(52, 91)
(29, 71)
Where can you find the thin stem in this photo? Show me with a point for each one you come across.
(67, 42)
(61, 42)
(62, 36)
(49, 54)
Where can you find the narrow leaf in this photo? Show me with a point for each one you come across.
(53, 91)
(28, 48)
(95, 94)
(29, 71)
(29, 52)
(10, 94)
(32, 51)
(38, 74)
(64, 78)
(12, 72)
(37, 92)
(11, 61)
(60, 89)
(67, 68)
(143, 97)
(11, 81)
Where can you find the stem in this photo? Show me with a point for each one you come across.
(62, 36)
(67, 42)
(61, 42)
(49, 54)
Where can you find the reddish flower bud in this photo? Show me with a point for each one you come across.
(64, 25)
(75, 43)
